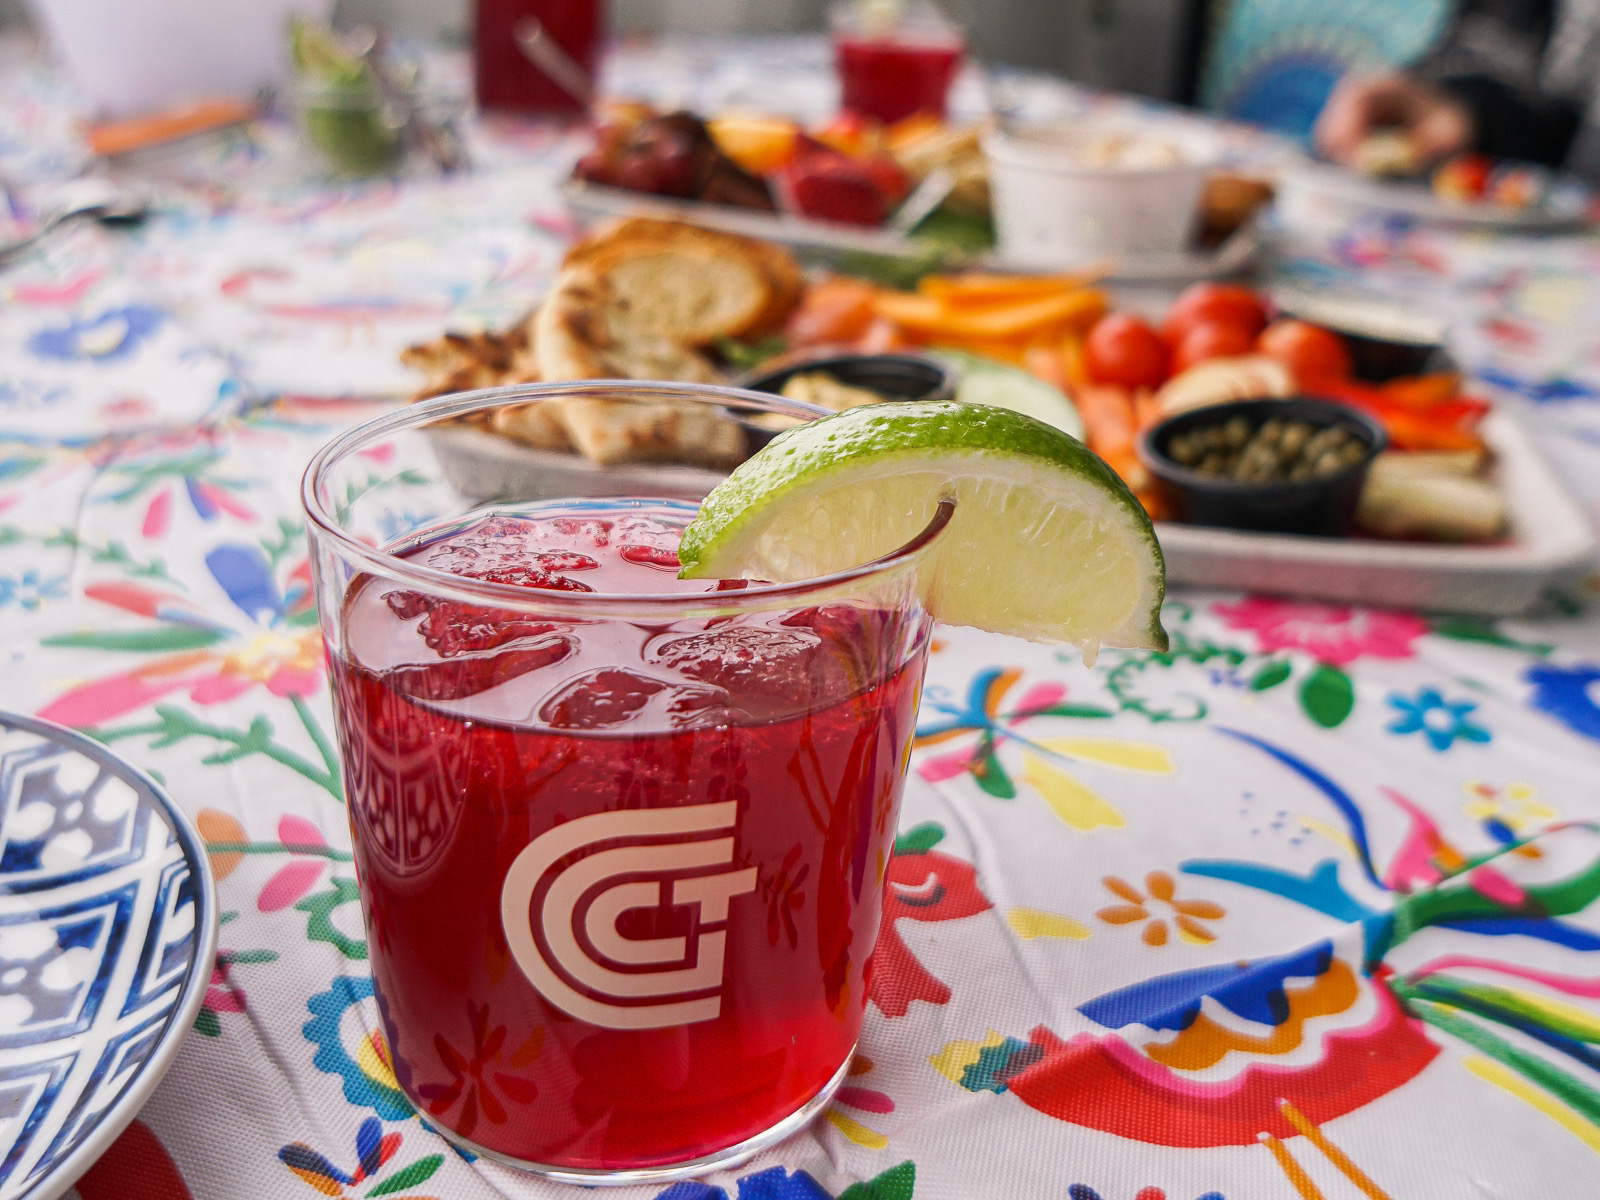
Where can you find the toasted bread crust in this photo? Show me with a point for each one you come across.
(636, 300)
(765, 278)
(618, 431)
(584, 332)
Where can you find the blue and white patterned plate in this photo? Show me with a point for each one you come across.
(108, 931)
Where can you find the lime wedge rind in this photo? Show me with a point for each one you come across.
(1046, 541)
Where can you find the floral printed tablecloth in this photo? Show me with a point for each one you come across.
(1303, 907)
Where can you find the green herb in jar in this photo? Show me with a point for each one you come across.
(340, 110)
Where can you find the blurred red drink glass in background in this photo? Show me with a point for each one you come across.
(508, 79)
(894, 62)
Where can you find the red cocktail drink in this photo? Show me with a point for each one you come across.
(891, 78)
(621, 839)
(507, 78)
(894, 61)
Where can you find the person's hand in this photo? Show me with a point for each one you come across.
(1436, 123)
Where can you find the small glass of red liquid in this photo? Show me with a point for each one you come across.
(894, 61)
(621, 839)
(558, 77)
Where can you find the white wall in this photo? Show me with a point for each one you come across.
(1130, 44)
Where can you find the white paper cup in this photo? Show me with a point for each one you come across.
(136, 56)
(1053, 210)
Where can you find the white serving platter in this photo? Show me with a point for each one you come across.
(485, 466)
(1551, 544)
(1565, 210)
(590, 204)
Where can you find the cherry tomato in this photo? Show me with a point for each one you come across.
(1125, 350)
(1309, 351)
(1464, 178)
(1210, 339)
(1207, 303)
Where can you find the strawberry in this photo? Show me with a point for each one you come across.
(831, 187)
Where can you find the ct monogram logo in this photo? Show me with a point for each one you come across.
(666, 859)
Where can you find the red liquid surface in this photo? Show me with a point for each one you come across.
(890, 79)
(468, 733)
(506, 79)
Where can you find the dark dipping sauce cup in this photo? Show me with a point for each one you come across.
(1323, 506)
(892, 376)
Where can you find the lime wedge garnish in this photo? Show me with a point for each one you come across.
(1046, 542)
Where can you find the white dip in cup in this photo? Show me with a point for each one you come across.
(1070, 193)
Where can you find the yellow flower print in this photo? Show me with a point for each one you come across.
(1516, 805)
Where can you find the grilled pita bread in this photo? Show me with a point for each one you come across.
(619, 431)
(637, 300)
(585, 330)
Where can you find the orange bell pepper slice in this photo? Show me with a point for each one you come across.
(154, 129)
(1446, 425)
(929, 317)
(1422, 391)
(910, 130)
(1411, 431)
(981, 290)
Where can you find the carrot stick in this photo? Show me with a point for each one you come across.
(1073, 367)
(135, 133)
(1045, 362)
(1422, 391)
(1108, 416)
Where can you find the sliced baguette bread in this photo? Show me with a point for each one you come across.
(689, 284)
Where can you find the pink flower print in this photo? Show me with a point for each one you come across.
(295, 878)
(863, 1100)
(157, 514)
(222, 994)
(1330, 633)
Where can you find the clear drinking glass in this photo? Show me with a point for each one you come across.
(895, 59)
(621, 850)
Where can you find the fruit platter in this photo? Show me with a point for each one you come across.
(851, 190)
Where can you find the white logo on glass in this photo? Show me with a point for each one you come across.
(557, 914)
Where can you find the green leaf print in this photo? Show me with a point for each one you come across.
(991, 776)
(13, 469)
(1270, 676)
(1327, 696)
(920, 839)
(897, 1183)
(1482, 629)
(138, 641)
(319, 925)
(174, 726)
(416, 1173)
(1082, 711)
